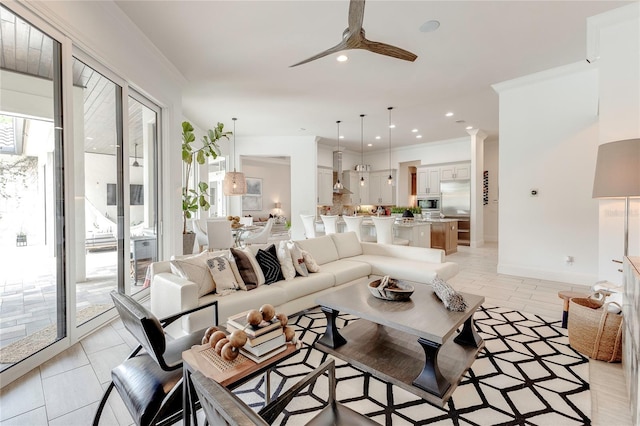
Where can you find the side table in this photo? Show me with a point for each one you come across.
(566, 296)
(230, 374)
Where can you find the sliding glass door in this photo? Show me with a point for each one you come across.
(69, 233)
(98, 190)
(32, 243)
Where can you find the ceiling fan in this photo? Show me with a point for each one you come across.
(354, 38)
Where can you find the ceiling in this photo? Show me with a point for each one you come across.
(236, 55)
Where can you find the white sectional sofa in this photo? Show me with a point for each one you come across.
(343, 260)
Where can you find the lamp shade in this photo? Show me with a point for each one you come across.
(618, 170)
(234, 183)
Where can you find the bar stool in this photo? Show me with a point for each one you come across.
(353, 224)
(384, 231)
(330, 223)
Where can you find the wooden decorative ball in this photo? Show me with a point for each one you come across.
(229, 352)
(216, 337)
(289, 333)
(220, 345)
(254, 317)
(284, 320)
(238, 338)
(268, 311)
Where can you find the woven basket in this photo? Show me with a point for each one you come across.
(593, 330)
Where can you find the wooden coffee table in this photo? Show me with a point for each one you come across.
(406, 343)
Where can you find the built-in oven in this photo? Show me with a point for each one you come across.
(429, 203)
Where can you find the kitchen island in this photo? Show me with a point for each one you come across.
(444, 234)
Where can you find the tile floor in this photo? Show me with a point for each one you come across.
(66, 389)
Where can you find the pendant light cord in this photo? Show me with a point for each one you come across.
(390, 179)
(361, 148)
(234, 144)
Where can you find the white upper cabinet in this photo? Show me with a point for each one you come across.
(455, 171)
(428, 181)
(325, 186)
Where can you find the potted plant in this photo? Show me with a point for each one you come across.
(194, 198)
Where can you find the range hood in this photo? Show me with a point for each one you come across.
(337, 173)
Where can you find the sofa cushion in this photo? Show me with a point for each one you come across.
(270, 265)
(345, 271)
(298, 260)
(322, 249)
(347, 244)
(302, 286)
(194, 268)
(405, 269)
(310, 262)
(286, 263)
(222, 275)
(249, 268)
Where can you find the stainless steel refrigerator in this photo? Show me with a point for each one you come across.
(455, 198)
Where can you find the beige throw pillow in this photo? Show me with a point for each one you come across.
(310, 262)
(298, 260)
(222, 274)
(284, 257)
(195, 269)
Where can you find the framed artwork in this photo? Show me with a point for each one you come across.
(253, 198)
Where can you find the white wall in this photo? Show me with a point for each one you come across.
(615, 44)
(303, 154)
(276, 185)
(548, 142)
(491, 209)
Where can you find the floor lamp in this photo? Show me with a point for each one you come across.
(618, 176)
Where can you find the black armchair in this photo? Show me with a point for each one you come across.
(150, 383)
(223, 407)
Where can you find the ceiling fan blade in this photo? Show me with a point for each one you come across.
(387, 50)
(337, 48)
(356, 16)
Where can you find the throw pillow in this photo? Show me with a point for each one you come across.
(236, 272)
(298, 260)
(310, 262)
(195, 269)
(222, 274)
(288, 271)
(248, 267)
(452, 300)
(268, 261)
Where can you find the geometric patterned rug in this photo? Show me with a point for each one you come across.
(527, 374)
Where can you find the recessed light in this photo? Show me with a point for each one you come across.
(449, 114)
(392, 126)
(369, 144)
(469, 127)
(418, 136)
(460, 121)
(302, 129)
(377, 137)
(430, 26)
(341, 137)
(342, 58)
(415, 130)
(89, 138)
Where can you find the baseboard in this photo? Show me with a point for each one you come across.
(586, 280)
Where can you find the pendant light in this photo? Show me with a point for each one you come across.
(135, 156)
(338, 186)
(234, 182)
(361, 148)
(390, 178)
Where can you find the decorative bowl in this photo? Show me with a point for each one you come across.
(396, 291)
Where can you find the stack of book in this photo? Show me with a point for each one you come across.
(263, 341)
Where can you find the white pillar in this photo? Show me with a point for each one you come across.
(477, 170)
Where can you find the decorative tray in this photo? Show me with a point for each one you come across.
(396, 290)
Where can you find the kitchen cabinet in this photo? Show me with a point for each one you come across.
(351, 181)
(380, 192)
(428, 181)
(444, 236)
(455, 171)
(325, 186)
